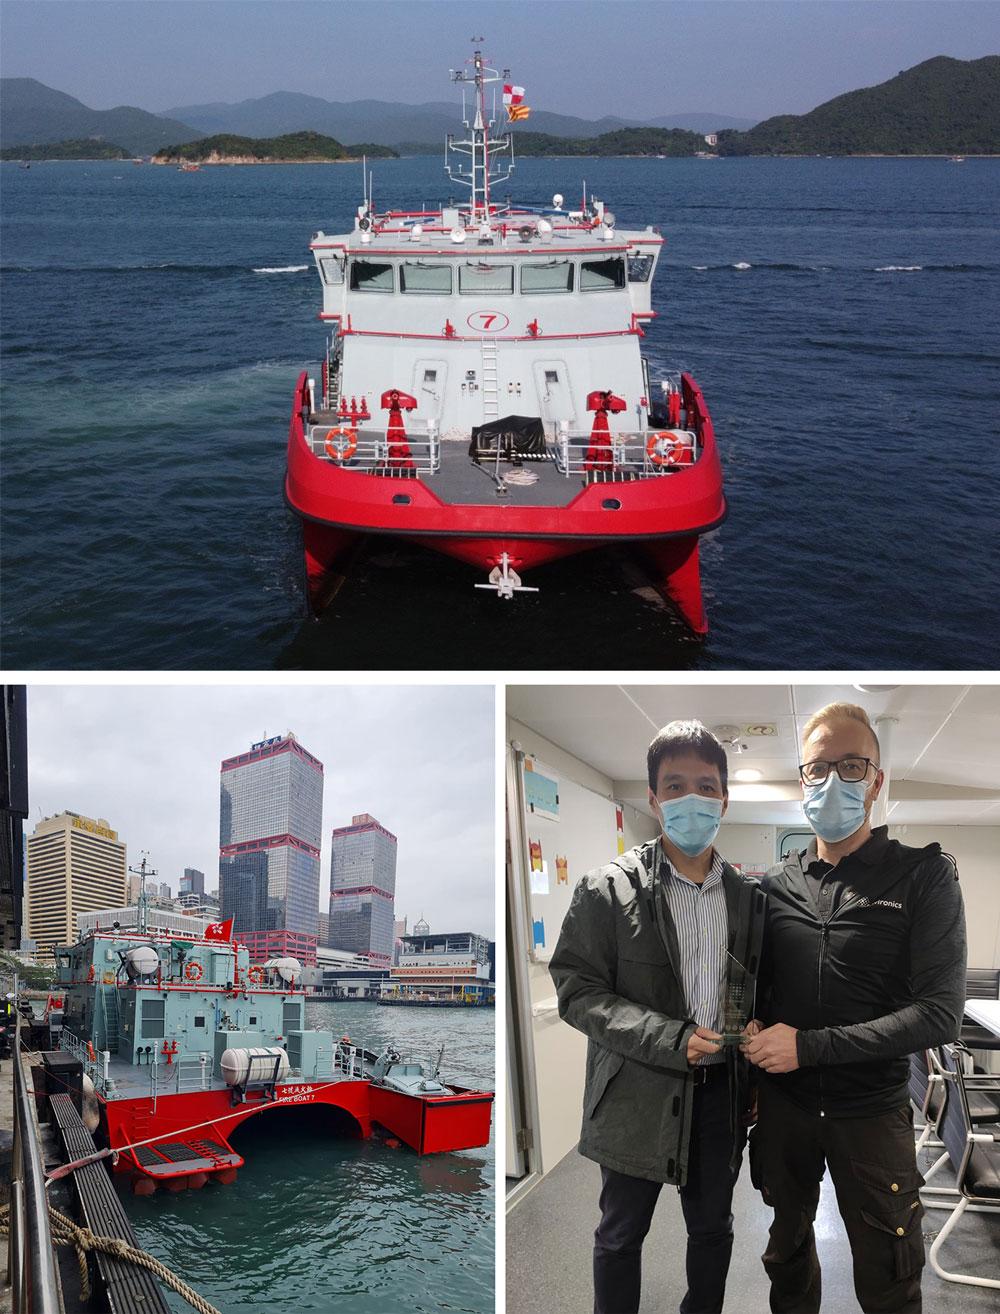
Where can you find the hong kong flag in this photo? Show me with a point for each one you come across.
(219, 930)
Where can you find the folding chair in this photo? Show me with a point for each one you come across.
(974, 1154)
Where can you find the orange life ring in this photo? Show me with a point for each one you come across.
(193, 971)
(350, 444)
(256, 975)
(666, 448)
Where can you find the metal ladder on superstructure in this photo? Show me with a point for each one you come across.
(491, 380)
(110, 1016)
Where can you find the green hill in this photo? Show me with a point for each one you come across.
(299, 147)
(75, 149)
(33, 114)
(623, 141)
(941, 107)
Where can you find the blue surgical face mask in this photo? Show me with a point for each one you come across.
(691, 822)
(836, 808)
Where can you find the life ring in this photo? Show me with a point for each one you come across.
(666, 448)
(193, 971)
(350, 444)
(256, 975)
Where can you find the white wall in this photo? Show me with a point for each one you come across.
(976, 849)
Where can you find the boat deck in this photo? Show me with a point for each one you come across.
(126, 1081)
(460, 480)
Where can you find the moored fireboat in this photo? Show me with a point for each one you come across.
(181, 1041)
(483, 392)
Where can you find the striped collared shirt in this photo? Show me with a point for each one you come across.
(699, 913)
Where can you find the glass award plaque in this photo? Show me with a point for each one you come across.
(739, 995)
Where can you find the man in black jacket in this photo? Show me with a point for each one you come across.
(641, 970)
(865, 948)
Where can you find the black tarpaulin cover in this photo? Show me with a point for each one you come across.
(517, 435)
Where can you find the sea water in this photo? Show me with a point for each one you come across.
(840, 315)
(320, 1224)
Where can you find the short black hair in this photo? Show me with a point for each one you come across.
(686, 737)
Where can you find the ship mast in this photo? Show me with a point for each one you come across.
(479, 173)
(142, 872)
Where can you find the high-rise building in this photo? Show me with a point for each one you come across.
(270, 830)
(75, 865)
(363, 889)
(192, 882)
(324, 928)
(165, 890)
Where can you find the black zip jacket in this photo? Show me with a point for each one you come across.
(869, 984)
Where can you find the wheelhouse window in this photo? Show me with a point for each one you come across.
(332, 269)
(367, 276)
(550, 276)
(639, 268)
(602, 275)
(421, 276)
(481, 276)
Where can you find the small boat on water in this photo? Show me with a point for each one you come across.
(188, 167)
(181, 1041)
(483, 392)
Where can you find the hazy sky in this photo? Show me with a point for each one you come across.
(635, 58)
(420, 760)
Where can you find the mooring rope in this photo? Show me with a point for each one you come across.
(67, 1233)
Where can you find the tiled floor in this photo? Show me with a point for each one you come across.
(549, 1251)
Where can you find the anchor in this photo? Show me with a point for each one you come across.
(507, 582)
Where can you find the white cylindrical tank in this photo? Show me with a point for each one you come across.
(235, 1064)
(289, 969)
(141, 961)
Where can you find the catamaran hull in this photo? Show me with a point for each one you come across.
(664, 516)
(185, 1137)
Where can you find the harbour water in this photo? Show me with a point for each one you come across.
(840, 316)
(323, 1225)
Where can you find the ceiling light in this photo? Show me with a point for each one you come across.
(876, 688)
(748, 773)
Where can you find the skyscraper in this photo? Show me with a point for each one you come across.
(75, 865)
(192, 882)
(270, 829)
(363, 889)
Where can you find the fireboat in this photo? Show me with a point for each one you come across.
(181, 1041)
(483, 392)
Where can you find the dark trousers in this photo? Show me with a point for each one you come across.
(627, 1205)
(873, 1167)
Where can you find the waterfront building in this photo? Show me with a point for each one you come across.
(363, 889)
(442, 966)
(165, 891)
(160, 919)
(133, 887)
(192, 882)
(270, 830)
(324, 928)
(75, 864)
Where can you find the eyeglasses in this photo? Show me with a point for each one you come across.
(850, 770)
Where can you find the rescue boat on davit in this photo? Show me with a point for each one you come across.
(483, 392)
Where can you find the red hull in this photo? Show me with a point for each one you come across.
(338, 505)
(201, 1122)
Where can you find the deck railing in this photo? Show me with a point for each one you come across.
(627, 456)
(375, 454)
(31, 1262)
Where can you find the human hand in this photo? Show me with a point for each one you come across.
(752, 1028)
(700, 1044)
(773, 1048)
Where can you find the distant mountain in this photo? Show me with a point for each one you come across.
(80, 149)
(394, 124)
(34, 114)
(943, 106)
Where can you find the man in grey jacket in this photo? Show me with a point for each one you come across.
(640, 969)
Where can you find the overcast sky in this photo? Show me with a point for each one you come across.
(420, 760)
(632, 58)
